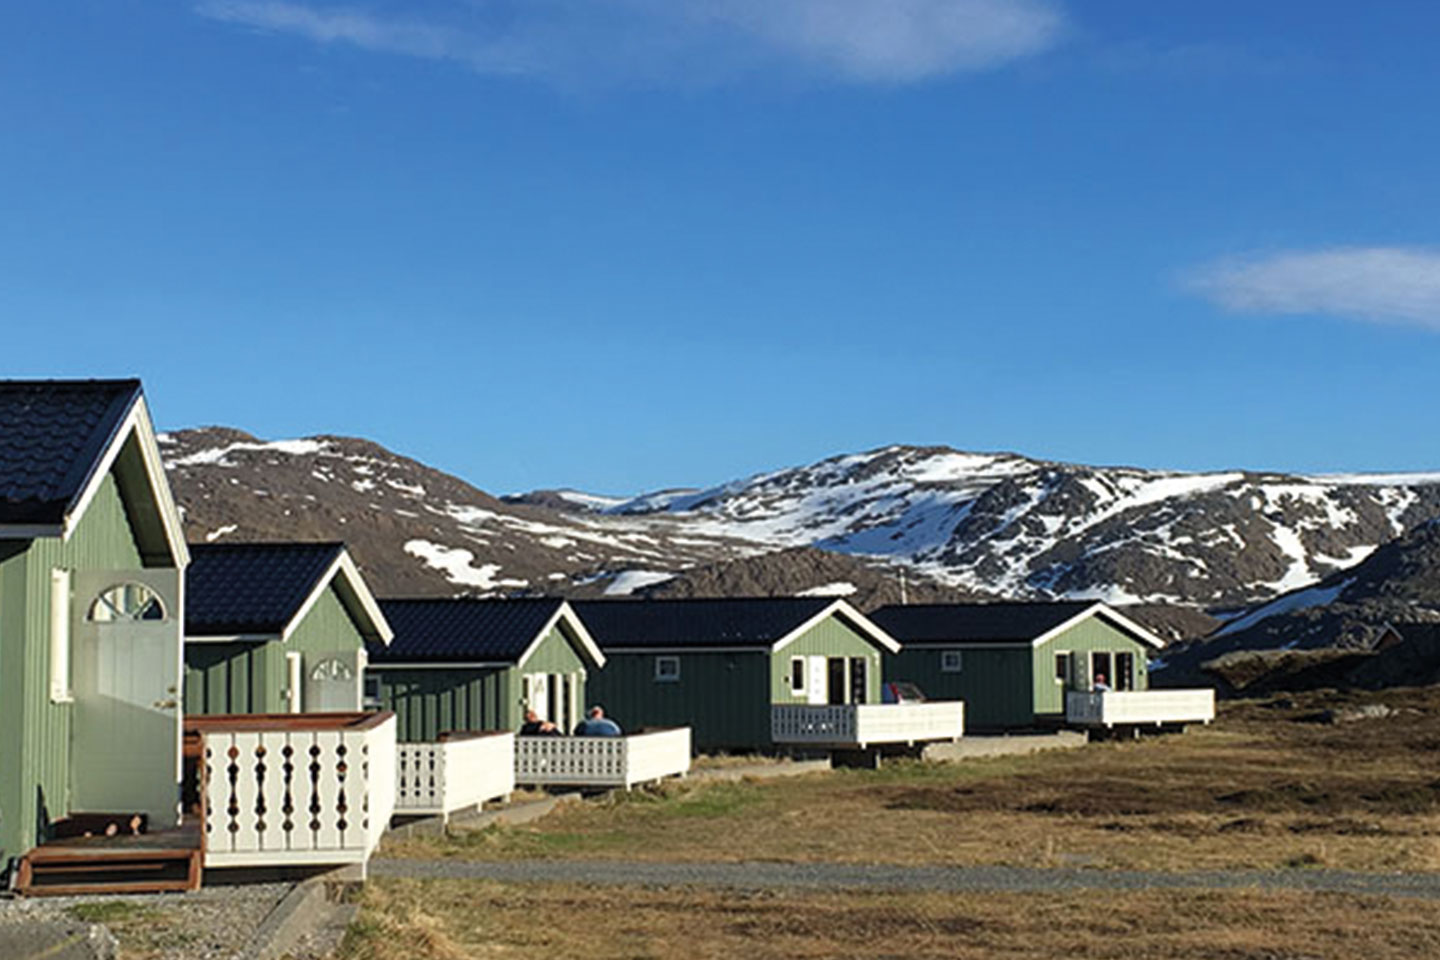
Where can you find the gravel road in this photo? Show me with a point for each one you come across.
(836, 876)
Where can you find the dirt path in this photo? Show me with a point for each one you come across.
(837, 876)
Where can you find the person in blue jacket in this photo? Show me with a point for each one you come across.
(596, 724)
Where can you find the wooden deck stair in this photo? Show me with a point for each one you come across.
(92, 862)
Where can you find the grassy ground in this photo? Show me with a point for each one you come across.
(1266, 787)
(451, 919)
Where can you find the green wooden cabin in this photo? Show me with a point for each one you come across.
(1012, 663)
(91, 558)
(717, 665)
(474, 665)
(277, 628)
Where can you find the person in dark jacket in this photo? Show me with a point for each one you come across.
(535, 727)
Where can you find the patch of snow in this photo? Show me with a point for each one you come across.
(458, 566)
(219, 532)
(1377, 479)
(629, 581)
(592, 501)
(1291, 602)
(217, 455)
(840, 588)
(362, 486)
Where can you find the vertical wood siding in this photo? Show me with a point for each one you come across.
(1010, 687)
(428, 703)
(830, 637)
(36, 760)
(723, 697)
(1088, 636)
(250, 677)
(994, 682)
(433, 701)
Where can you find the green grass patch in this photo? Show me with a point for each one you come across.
(112, 912)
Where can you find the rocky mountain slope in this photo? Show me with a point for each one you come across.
(413, 529)
(1398, 584)
(979, 524)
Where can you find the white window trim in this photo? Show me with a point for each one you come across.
(664, 677)
(294, 682)
(957, 666)
(60, 691)
(799, 691)
(1069, 665)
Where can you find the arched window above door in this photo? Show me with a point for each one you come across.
(125, 603)
(331, 669)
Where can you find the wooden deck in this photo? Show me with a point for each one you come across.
(155, 862)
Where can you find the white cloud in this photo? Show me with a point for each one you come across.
(886, 41)
(1379, 284)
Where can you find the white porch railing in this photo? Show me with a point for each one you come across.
(1139, 707)
(302, 789)
(460, 771)
(602, 761)
(863, 724)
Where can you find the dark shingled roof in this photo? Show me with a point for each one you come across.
(729, 622)
(52, 435)
(961, 623)
(236, 588)
(462, 630)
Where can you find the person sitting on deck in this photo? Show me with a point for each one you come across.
(535, 727)
(596, 724)
(1100, 685)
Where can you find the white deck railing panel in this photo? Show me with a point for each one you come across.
(454, 774)
(294, 796)
(602, 761)
(864, 724)
(1139, 707)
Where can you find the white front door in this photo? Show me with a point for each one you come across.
(125, 739)
(332, 682)
(537, 694)
(815, 680)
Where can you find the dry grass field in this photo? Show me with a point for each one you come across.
(453, 919)
(1268, 786)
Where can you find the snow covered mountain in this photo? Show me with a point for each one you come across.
(1006, 524)
(987, 524)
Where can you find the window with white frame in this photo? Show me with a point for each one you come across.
(950, 661)
(797, 676)
(1062, 667)
(667, 669)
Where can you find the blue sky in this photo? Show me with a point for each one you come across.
(626, 244)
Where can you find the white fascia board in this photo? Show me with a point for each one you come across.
(966, 645)
(476, 665)
(865, 625)
(235, 638)
(565, 612)
(344, 566)
(1130, 626)
(367, 600)
(138, 422)
(1105, 613)
(669, 651)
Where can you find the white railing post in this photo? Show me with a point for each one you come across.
(280, 793)
(602, 761)
(1140, 707)
(860, 725)
(457, 773)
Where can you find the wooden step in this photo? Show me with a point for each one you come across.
(62, 871)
